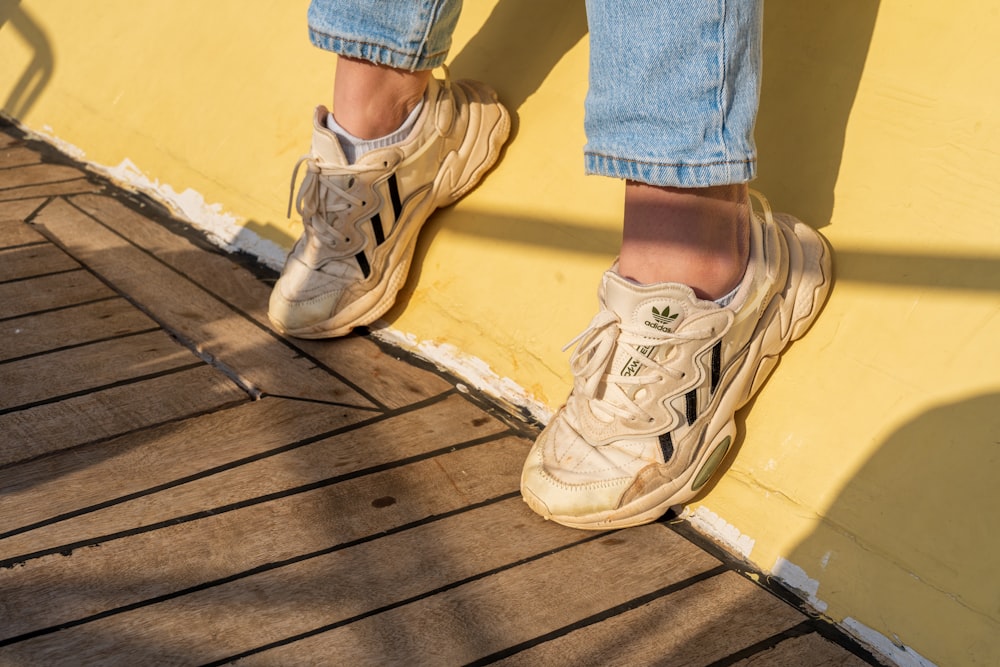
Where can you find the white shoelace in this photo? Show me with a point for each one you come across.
(595, 349)
(323, 197)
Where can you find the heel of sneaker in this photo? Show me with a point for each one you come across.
(810, 259)
(489, 128)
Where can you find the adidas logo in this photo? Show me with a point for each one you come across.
(663, 319)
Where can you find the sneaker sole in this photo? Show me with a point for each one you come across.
(805, 248)
(450, 184)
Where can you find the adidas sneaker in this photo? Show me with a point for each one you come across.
(658, 376)
(360, 221)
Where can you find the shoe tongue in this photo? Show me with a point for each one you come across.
(648, 310)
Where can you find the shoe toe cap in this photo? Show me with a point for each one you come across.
(294, 315)
(557, 491)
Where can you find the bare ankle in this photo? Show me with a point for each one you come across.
(372, 101)
(699, 237)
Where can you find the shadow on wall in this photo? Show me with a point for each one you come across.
(814, 54)
(39, 70)
(498, 53)
(932, 577)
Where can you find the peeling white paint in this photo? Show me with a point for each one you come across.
(825, 560)
(796, 578)
(222, 228)
(897, 652)
(471, 369)
(711, 524)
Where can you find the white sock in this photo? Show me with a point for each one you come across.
(728, 299)
(354, 147)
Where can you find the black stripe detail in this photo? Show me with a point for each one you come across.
(667, 446)
(366, 269)
(397, 205)
(377, 229)
(716, 365)
(691, 401)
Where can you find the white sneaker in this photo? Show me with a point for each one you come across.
(361, 220)
(658, 376)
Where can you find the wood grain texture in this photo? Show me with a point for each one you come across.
(361, 361)
(97, 415)
(262, 362)
(302, 458)
(24, 297)
(68, 187)
(66, 372)
(33, 334)
(16, 154)
(13, 228)
(812, 650)
(33, 260)
(517, 605)
(37, 174)
(232, 542)
(698, 625)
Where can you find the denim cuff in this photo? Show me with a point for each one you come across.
(379, 54)
(675, 175)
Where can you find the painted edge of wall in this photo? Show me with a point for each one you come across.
(221, 227)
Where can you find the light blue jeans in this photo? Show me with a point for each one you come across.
(674, 84)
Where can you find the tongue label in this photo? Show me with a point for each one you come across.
(662, 320)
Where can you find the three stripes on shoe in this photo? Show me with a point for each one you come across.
(376, 223)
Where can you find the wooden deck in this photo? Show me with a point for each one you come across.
(180, 485)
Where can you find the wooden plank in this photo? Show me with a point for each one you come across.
(292, 598)
(7, 137)
(70, 187)
(186, 309)
(514, 606)
(390, 377)
(19, 210)
(24, 297)
(811, 649)
(195, 551)
(41, 378)
(37, 174)
(33, 334)
(395, 382)
(33, 260)
(17, 155)
(51, 427)
(379, 443)
(704, 623)
(160, 456)
(13, 232)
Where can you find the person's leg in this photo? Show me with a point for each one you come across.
(704, 295)
(690, 131)
(398, 145)
(703, 232)
(372, 101)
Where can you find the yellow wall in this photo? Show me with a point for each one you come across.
(867, 477)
